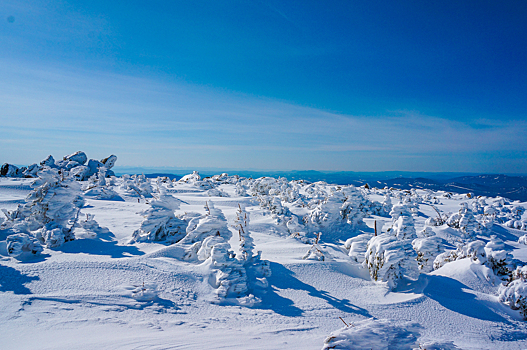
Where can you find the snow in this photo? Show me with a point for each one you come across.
(111, 288)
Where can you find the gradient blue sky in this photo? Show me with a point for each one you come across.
(281, 85)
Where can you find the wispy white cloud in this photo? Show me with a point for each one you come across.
(151, 123)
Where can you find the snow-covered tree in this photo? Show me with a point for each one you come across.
(474, 250)
(315, 252)
(160, 223)
(339, 214)
(51, 209)
(211, 224)
(388, 259)
(514, 293)
(498, 259)
(427, 249)
(241, 224)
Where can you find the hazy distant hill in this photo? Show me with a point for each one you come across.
(492, 185)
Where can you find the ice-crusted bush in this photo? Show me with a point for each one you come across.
(491, 254)
(339, 214)
(137, 186)
(216, 192)
(228, 277)
(374, 334)
(191, 178)
(51, 209)
(474, 250)
(403, 228)
(315, 252)
(466, 222)
(357, 247)
(400, 209)
(211, 224)
(240, 190)
(498, 259)
(241, 224)
(160, 223)
(91, 226)
(388, 259)
(20, 244)
(296, 228)
(234, 280)
(427, 249)
(97, 187)
(514, 293)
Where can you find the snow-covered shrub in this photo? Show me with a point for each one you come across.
(491, 254)
(426, 232)
(498, 259)
(388, 259)
(215, 192)
(97, 186)
(137, 186)
(241, 223)
(229, 277)
(403, 228)
(21, 243)
(51, 209)
(387, 204)
(240, 190)
(53, 235)
(514, 293)
(357, 247)
(206, 246)
(400, 209)
(211, 224)
(91, 226)
(276, 207)
(427, 250)
(474, 250)
(191, 178)
(523, 239)
(374, 334)
(339, 214)
(315, 252)
(160, 223)
(516, 224)
(468, 223)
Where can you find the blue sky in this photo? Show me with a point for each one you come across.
(335, 85)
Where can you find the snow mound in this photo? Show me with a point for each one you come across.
(374, 334)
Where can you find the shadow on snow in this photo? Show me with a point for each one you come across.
(283, 278)
(12, 280)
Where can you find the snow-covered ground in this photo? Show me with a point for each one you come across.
(136, 276)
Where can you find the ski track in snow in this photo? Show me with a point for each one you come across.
(80, 295)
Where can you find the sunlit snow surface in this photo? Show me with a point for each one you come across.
(104, 293)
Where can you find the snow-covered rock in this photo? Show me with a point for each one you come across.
(79, 157)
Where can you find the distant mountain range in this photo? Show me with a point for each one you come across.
(508, 186)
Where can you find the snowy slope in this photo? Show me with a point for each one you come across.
(104, 290)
